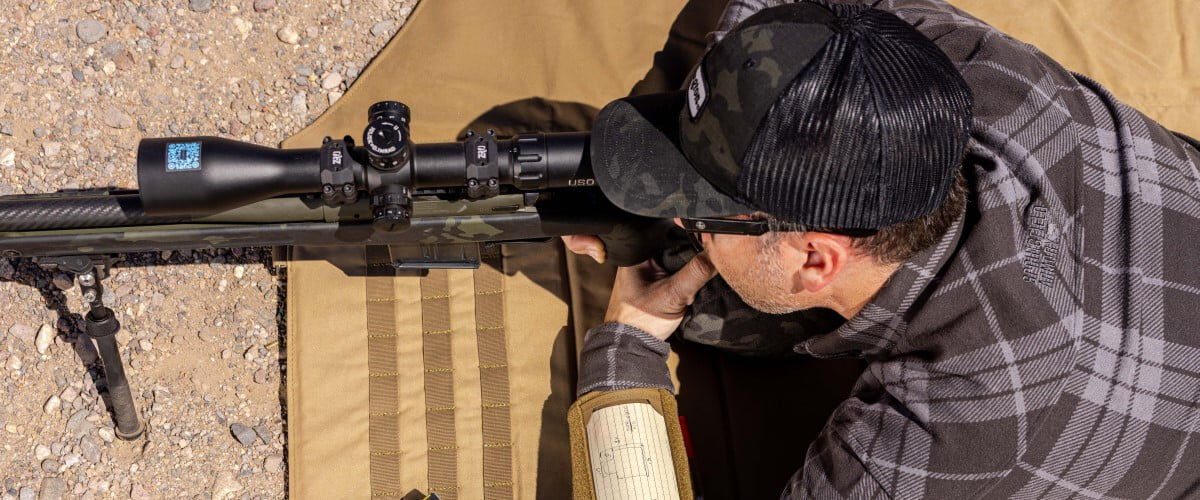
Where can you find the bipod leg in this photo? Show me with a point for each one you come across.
(101, 326)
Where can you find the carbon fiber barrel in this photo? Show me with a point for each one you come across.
(75, 210)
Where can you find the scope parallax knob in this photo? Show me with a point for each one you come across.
(386, 137)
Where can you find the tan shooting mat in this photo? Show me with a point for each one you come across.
(547, 65)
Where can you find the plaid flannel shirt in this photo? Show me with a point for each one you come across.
(1049, 345)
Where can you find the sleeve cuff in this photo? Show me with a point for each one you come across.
(619, 356)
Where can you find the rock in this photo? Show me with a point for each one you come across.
(53, 404)
(27, 493)
(22, 332)
(6, 128)
(145, 345)
(6, 270)
(50, 466)
(200, 5)
(107, 435)
(90, 31)
(138, 492)
(334, 96)
(260, 376)
(263, 5)
(78, 424)
(304, 71)
(14, 363)
(116, 118)
(288, 35)
(51, 148)
(239, 272)
(383, 28)
(332, 80)
(89, 449)
(63, 281)
(224, 486)
(177, 61)
(53, 488)
(8, 157)
(244, 435)
(273, 463)
(41, 452)
(45, 337)
(300, 103)
(263, 433)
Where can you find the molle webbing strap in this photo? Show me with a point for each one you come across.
(493, 376)
(383, 389)
(439, 383)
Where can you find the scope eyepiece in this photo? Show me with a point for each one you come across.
(386, 137)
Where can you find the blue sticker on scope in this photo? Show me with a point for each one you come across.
(182, 156)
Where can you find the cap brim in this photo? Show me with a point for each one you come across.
(639, 166)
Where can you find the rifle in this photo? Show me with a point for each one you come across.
(432, 204)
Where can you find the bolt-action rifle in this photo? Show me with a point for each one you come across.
(433, 204)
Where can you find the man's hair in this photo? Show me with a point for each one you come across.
(898, 242)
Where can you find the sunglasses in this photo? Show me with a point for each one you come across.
(694, 227)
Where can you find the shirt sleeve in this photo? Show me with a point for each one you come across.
(619, 356)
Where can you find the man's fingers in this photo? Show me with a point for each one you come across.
(683, 285)
(586, 245)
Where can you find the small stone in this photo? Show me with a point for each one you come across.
(260, 377)
(177, 61)
(304, 71)
(6, 128)
(53, 488)
(263, 433)
(50, 466)
(51, 148)
(263, 5)
(90, 31)
(123, 61)
(7, 272)
(26, 493)
(41, 452)
(225, 486)
(245, 435)
(273, 464)
(383, 28)
(107, 435)
(8, 157)
(116, 118)
(332, 80)
(21, 332)
(239, 272)
(145, 345)
(334, 96)
(288, 35)
(14, 363)
(138, 492)
(45, 337)
(78, 424)
(200, 5)
(243, 26)
(52, 405)
(300, 103)
(89, 449)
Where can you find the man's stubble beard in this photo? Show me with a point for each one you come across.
(763, 285)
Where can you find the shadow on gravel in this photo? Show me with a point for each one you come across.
(69, 324)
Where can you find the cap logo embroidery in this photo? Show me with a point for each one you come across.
(697, 92)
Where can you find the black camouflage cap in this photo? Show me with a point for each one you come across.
(835, 117)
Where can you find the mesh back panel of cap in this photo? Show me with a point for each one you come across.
(869, 135)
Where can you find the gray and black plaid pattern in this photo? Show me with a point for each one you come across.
(617, 356)
(1049, 346)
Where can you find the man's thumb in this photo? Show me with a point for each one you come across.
(690, 278)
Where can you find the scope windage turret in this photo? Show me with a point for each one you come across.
(386, 136)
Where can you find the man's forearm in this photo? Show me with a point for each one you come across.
(619, 356)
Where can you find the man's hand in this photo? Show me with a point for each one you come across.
(647, 297)
(586, 245)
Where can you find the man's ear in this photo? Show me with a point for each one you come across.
(816, 259)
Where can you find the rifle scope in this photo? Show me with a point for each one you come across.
(204, 175)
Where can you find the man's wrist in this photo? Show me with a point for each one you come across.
(621, 356)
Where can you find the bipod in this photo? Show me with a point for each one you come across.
(101, 326)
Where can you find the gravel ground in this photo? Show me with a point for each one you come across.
(80, 83)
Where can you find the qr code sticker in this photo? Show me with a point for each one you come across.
(183, 156)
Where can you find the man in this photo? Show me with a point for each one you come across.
(1015, 253)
